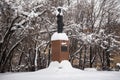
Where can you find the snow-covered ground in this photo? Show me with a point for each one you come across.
(62, 71)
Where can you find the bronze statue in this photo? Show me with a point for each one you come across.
(60, 23)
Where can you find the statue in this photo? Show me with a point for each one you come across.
(60, 23)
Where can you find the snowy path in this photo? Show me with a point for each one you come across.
(62, 71)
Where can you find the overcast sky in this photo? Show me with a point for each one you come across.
(119, 1)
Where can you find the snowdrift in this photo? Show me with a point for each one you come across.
(61, 71)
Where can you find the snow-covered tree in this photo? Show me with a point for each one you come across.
(91, 23)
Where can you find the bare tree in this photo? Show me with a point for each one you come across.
(90, 26)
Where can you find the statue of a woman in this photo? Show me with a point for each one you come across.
(60, 21)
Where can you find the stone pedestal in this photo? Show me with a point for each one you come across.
(60, 47)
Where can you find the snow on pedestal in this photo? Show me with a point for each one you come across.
(59, 36)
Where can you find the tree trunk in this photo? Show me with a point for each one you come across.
(107, 58)
(84, 56)
(91, 55)
(80, 57)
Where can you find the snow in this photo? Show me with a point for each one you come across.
(62, 71)
(63, 9)
(13, 28)
(33, 14)
(87, 38)
(63, 67)
(59, 36)
(64, 43)
(90, 69)
(56, 11)
(53, 65)
(118, 64)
